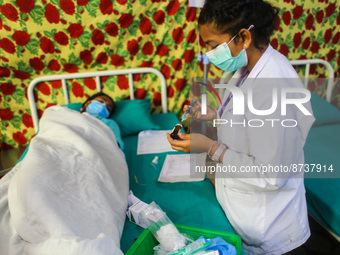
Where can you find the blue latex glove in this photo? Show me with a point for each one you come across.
(222, 246)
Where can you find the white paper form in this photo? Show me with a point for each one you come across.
(153, 141)
(182, 168)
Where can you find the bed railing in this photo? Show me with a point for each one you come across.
(306, 63)
(97, 75)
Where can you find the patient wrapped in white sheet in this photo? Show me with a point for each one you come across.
(69, 194)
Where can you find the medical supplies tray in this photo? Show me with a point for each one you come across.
(146, 241)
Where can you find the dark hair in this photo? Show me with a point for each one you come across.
(230, 16)
(97, 95)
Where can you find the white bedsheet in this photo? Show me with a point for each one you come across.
(69, 194)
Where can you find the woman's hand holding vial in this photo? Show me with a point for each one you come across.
(196, 111)
(195, 143)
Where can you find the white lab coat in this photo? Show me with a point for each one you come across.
(268, 211)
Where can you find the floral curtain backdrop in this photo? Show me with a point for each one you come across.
(66, 36)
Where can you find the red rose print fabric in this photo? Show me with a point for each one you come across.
(69, 36)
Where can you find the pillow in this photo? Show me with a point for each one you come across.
(324, 112)
(74, 106)
(133, 116)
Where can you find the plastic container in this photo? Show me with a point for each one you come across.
(146, 241)
(162, 228)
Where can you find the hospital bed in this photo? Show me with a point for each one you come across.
(186, 203)
(322, 149)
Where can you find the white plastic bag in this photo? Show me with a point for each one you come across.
(163, 229)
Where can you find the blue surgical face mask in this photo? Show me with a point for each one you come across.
(98, 108)
(221, 57)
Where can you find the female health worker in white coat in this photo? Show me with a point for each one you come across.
(267, 210)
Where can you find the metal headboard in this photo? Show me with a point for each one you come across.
(97, 75)
(307, 63)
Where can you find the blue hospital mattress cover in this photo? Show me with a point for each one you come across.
(323, 194)
(186, 203)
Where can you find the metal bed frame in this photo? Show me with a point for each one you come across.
(97, 75)
(306, 63)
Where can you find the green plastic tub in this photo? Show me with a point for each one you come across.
(146, 241)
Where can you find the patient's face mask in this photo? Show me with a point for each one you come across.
(222, 58)
(97, 108)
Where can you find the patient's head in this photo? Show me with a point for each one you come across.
(99, 104)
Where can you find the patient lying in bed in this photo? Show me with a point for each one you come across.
(102, 107)
(69, 193)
